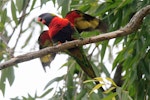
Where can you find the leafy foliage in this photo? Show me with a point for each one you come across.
(134, 56)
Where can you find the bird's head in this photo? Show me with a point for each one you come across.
(46, 18)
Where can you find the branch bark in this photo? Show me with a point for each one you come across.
(132, 26)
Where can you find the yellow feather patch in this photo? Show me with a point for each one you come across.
(81, 23)
(46, 58)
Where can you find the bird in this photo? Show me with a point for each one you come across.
(81, 21)
(45, 41)
(86, 22)
(62, 30)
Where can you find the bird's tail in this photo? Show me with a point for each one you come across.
(80, 57)
(103, 27)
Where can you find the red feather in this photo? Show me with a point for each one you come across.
(56, 25)
(44, 37)
(71, 16)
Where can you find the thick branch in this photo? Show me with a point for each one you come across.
(132, 26)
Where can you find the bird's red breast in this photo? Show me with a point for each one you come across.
(56, 25)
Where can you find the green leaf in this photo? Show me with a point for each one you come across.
(125, 96)
(3, 21)
(113, 83)
(129, 98)
(6, 73)
(44, 1)
(107, 6)
(87, 81)
(104, 69)
(110, 97)
(96, 88)
(124, 3)
(57, 79)
(60, 3)
(103, 50)
(4, 16)
(109, 90)
(81, 94)
(65, 7)
(29, 97)
(94, 96)
(85, 8)
(118, 59)
(2, 85)
(1, 26)
(70, 83)
(89, 34)
(33, 3)
(19, 4)
(100, 79)
(14, 12)
(117, 40)
(54, 2)
(45, 93)
(119, 92)
(11, 76)
(27, 41)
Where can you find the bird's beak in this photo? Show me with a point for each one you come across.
(39, 19)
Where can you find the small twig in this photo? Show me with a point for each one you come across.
(21, 20)
(90, 55)
(5, 41)
(132, 26)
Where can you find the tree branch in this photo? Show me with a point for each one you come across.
(132, 26)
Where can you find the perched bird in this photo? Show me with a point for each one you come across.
(62, 30)
(45, 41)
(81, 21)
(85, 22)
